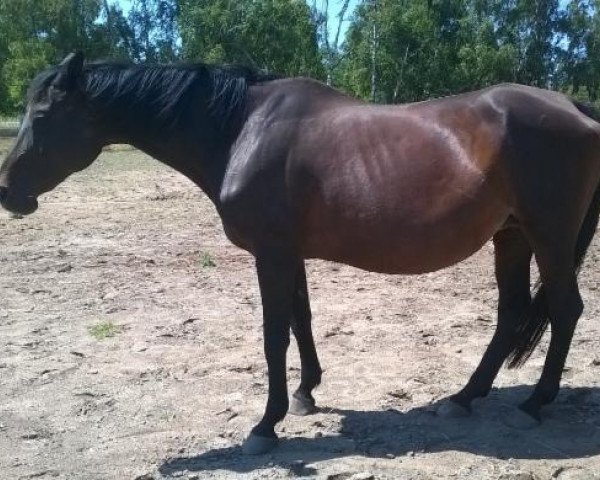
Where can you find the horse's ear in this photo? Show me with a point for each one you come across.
(70, 69)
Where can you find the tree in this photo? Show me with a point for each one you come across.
(427, 48)
(410, 48)
(276, 35)
(394, 51)
(119, 37)
(329, 38)
(578, 70)
(530, 27)
(34, 34)
(154, 27)
(483, 58)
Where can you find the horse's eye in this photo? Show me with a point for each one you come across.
(39, 120)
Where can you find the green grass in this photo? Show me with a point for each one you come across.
(206, 261)
(103, 330)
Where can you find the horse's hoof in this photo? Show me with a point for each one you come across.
(257, 445)
(520, 420)
(451, 409)
(302, 406)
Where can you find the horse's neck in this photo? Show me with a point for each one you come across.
(185, 151)
(203, 165)
(196, 148)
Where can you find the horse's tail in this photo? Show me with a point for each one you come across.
(536, 319)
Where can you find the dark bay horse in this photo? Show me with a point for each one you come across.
(298, 170)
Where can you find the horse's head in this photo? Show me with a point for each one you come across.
(56, 138)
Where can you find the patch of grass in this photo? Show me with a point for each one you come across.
(206, 260)
(103, 330)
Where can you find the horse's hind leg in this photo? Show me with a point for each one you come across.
(302, 402)
(512, 257)
(557, 272)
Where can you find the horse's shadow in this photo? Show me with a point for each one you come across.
(570, 430)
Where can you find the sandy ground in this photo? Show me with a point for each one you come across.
(129, 245)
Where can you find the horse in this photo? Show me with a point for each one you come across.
(298, 170)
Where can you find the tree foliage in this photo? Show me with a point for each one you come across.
(34, 34)
(419, 48)
(153, 30)
(393, 51)
(274, 35)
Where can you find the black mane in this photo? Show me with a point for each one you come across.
(164, 92)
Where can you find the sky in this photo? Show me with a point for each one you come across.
(334, 8)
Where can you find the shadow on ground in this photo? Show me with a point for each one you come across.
(570, 430)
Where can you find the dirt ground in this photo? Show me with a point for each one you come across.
(133, 249)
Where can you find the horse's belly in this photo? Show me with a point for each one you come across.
(398, 241)
(412, 195)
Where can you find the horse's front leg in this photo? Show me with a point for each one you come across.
(276, 278)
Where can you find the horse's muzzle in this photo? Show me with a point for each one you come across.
(21, 204)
